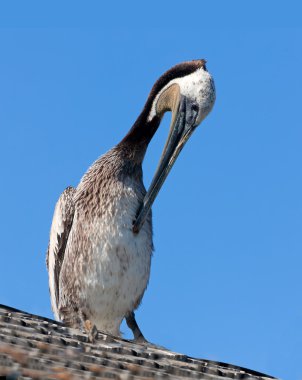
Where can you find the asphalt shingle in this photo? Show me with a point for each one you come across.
(33, 347)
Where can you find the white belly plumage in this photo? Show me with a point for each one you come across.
(119, 277)
(114, 271)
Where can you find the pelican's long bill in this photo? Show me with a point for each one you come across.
(182, 126)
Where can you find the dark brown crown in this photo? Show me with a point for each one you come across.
(178, 71)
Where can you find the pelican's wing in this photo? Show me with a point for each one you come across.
(59, 232)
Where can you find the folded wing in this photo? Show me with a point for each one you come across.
(60, 229)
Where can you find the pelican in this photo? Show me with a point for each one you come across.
(100, 246)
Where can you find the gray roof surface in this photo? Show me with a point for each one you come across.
(33, 347)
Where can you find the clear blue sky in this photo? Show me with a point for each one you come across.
(226, 274)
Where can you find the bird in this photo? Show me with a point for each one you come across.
(101, 244)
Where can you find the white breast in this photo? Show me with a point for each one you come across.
(120, 268)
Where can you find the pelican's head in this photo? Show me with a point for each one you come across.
(188, 91)
(189, 82)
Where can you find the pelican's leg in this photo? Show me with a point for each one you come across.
(132, 324)
(91, 331)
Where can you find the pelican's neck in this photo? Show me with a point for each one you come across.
(139, 136)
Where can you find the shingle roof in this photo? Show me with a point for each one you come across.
(37, 347)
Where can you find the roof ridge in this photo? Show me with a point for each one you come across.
(30, 343)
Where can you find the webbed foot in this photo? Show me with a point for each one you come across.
(91, 331)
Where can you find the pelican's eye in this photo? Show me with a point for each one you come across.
(195, 107)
